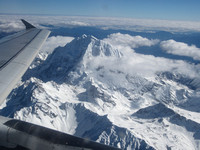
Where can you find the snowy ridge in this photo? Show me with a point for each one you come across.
(94, 89)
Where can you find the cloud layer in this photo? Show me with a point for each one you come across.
(10, 23)
(182, 49)
(125, 40)
(10, 26)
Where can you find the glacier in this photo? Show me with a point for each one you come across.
(104, 91)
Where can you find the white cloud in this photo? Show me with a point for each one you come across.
(182, 49)
(55, 41)
(145, 65)
(125, 40)
(103, 22)
(10, 26)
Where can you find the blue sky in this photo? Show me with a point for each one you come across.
(145, 9)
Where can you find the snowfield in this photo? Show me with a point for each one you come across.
(104, 91)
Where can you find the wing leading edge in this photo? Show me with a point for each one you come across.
(16, 54)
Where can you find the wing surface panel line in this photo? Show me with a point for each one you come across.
(27, 31)
(2, 66)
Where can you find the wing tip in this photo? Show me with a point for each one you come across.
(27, 24)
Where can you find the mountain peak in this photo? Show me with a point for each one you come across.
(79, 51)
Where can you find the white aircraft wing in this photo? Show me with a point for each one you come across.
(16, 54)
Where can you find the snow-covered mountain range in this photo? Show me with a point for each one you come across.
(104, 91)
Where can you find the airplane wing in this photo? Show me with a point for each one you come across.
(16, 54)
(27, 135)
